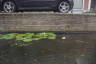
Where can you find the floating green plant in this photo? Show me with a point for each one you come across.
(27, 37)
(7, 36)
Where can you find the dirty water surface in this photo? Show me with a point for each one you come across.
(65, 49)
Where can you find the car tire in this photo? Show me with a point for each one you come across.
(64, 7)
(9, 6)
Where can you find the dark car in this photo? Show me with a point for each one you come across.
(17, 5)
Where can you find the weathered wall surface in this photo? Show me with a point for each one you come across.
(47, 22)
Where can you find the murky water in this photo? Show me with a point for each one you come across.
(66, 49)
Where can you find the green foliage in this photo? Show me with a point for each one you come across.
(25, 38)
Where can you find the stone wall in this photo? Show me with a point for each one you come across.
(47, 22)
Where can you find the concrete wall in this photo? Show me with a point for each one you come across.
(47, 22)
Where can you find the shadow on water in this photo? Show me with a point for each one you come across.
(73, 49)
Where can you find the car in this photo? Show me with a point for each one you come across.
(63, 6)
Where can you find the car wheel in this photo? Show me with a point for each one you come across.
(9, 6)
(64, 7)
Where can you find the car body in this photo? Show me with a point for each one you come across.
(36, 4)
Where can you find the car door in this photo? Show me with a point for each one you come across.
(42, 3)
(24, 3)
(35, 3)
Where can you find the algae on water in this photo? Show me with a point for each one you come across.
(24, 38)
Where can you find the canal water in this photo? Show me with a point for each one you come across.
(70, 48)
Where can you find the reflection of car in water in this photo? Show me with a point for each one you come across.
(56, 5)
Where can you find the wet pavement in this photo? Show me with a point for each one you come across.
(66, 49)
